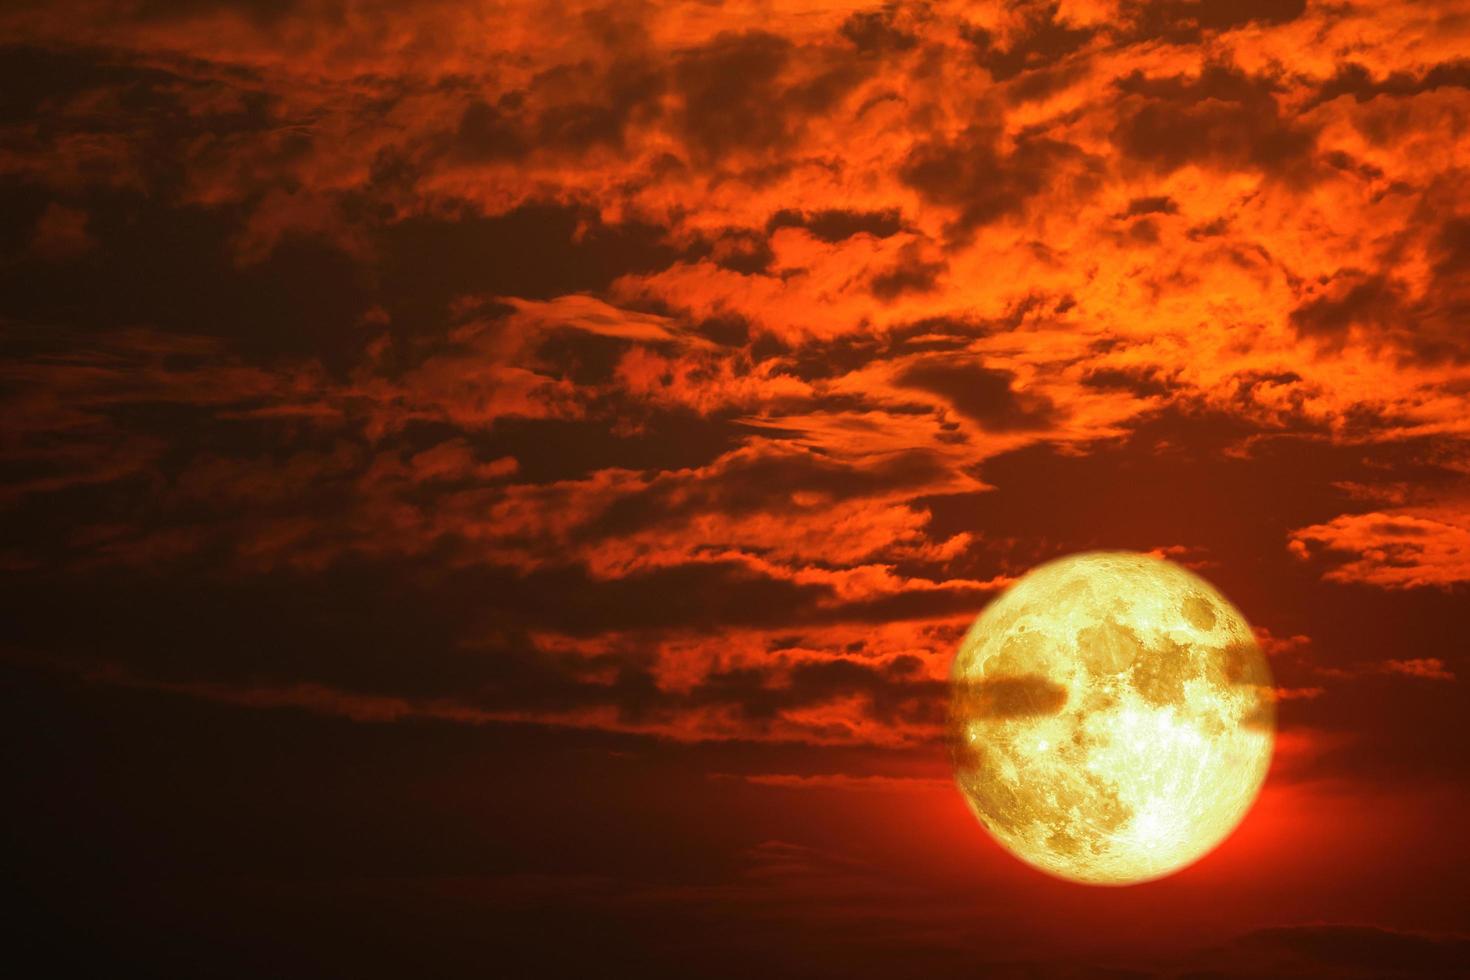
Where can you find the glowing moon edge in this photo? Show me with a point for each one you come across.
(1112, 718)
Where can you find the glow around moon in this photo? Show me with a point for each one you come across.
(1112, 718)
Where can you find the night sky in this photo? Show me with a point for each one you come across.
(493, 489)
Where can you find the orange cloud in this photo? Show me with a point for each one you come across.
(1395, 550)
(812, 326)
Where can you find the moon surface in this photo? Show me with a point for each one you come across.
(1112, 718)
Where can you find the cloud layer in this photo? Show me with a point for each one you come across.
(700, 371)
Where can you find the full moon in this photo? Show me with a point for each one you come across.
(1112, 718)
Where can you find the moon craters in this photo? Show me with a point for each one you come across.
(1111, 718)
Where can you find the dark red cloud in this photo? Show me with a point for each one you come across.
(1220, 117)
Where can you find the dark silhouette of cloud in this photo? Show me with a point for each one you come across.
(983, 394)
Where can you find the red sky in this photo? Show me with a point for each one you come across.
(496, 487)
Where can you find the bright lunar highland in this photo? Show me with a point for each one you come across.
(1112, 718)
